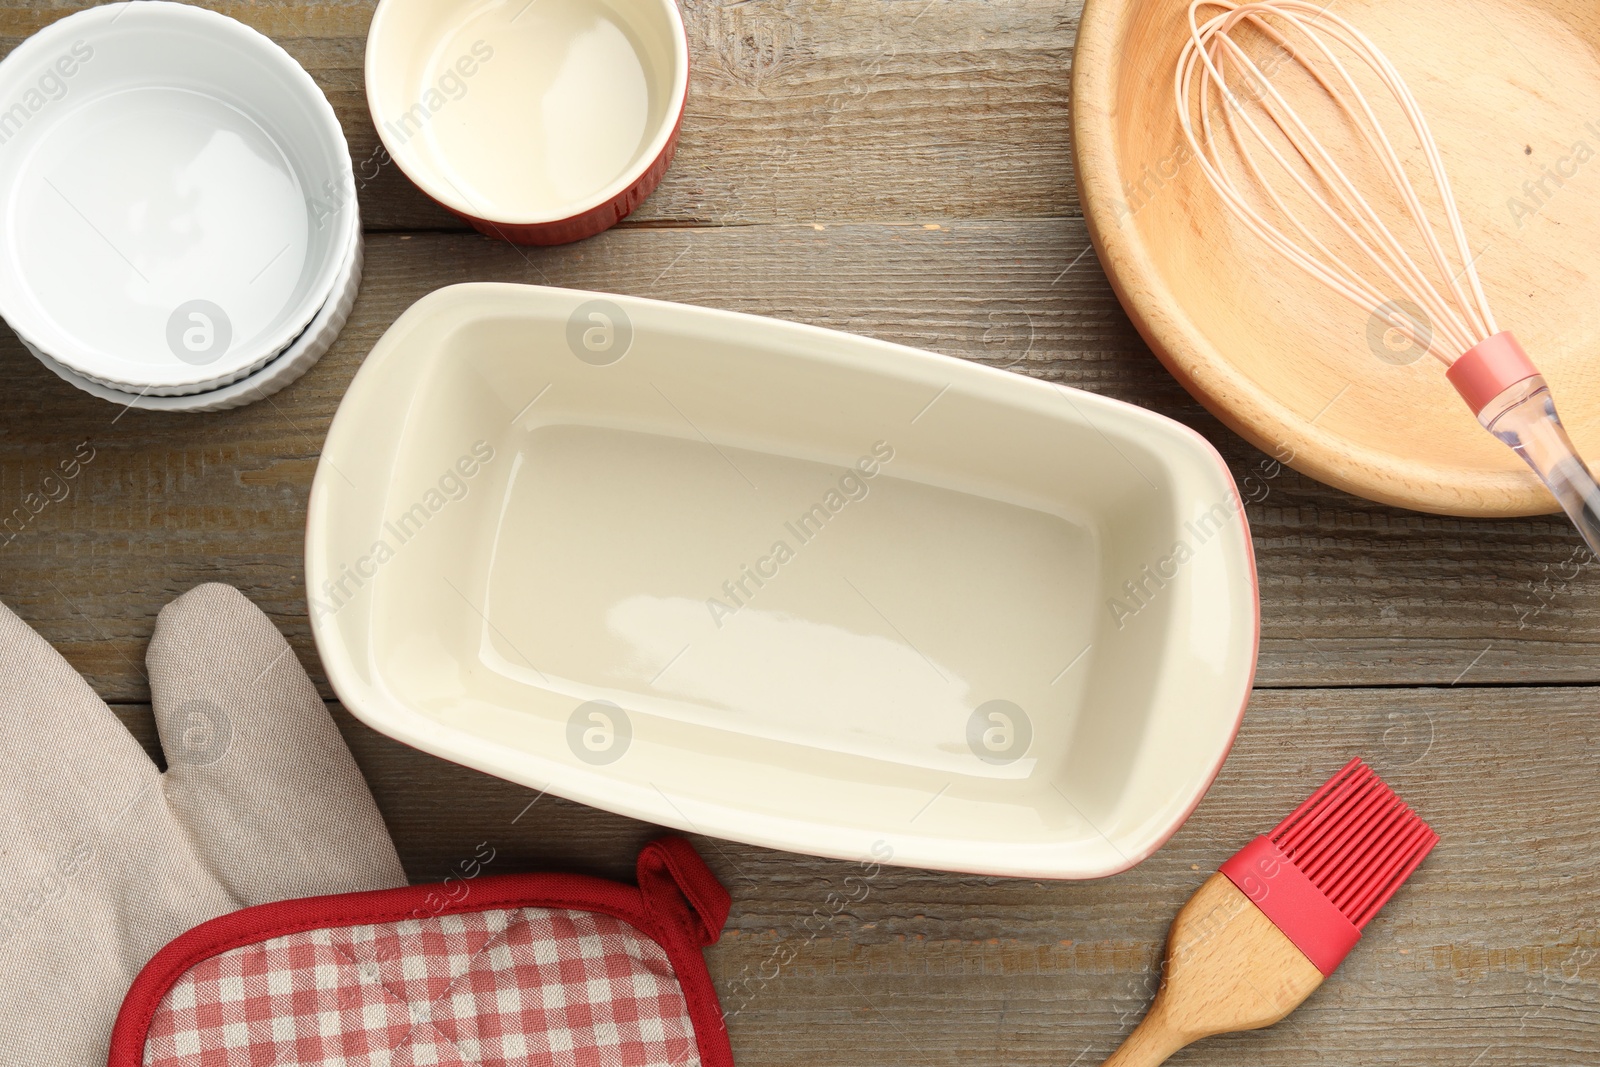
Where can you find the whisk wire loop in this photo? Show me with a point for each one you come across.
(1217, 74)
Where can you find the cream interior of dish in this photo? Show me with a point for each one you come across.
(723, 588)
(529, 108)
(691, 534)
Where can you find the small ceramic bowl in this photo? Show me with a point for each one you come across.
(176, 197)
(538, 121)
(779, 584)
(301, 355)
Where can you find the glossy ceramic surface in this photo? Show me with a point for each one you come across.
(781, 584)
(176, 195)
(544, 120)
(301, 355)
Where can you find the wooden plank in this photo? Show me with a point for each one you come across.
(1352, 593)
(848, 114)
(1490, 955)
(832, 110)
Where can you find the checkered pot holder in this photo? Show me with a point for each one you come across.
(519, 970)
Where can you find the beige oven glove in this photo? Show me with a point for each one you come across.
(104, 859)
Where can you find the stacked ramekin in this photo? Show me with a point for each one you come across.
(178, 220)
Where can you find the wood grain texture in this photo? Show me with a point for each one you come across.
(1227, 968)
(1282, 357)
(832, 110)
(1352, 592)
(811, 127)
(1491, 950)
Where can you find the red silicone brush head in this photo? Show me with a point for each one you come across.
(1333, 863)
(1356, 840)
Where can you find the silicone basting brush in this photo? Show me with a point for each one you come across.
(1265, 930)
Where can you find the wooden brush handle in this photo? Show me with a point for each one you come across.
(1148, 1046)
(1228, 968)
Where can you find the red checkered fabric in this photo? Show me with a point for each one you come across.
(505, 988)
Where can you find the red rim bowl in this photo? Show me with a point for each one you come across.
(537, 121)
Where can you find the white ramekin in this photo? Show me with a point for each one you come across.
(176, 197)
(278, 373)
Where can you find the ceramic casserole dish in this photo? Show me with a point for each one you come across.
(781, 584)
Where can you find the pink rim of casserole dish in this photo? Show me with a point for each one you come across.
(534, 132)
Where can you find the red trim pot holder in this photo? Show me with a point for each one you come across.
(553, 970)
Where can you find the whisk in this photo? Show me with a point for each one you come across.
(1393, 249)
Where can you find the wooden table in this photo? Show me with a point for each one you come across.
(901, 168)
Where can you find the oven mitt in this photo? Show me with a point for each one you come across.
(104, 859)
(521, 970)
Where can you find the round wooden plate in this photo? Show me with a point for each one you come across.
(1512, 91)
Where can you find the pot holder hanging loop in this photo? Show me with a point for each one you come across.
(679, 887)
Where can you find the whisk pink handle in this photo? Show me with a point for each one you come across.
(1501, 384)
(1489, 368)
